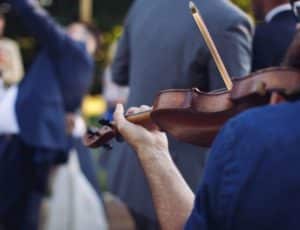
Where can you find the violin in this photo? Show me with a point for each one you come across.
(195, 117)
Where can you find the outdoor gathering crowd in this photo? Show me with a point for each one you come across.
(248, 178)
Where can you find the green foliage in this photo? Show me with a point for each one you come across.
(243, 4)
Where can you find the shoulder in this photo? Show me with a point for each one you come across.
(257, 133)
(284, 23)
(266, 125)
(236, 16)
(228, 17)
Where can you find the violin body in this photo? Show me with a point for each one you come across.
(192, 116)
(196, 117)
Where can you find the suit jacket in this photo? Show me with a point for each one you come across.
(272, 39)
(162, 48)
(56, 82)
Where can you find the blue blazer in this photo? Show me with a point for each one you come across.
(272, 40)
(55, 83)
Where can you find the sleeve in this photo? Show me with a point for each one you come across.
(48, 33)
(207, 213)
(235, 47)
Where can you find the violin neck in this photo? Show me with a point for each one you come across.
(142, 118)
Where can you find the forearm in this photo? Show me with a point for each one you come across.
(173, 199)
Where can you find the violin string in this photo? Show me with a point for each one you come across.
(211, 45)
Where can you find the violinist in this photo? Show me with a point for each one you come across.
(251, 178)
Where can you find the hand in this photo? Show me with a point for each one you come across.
(141, 139)
(4, 60)
(70, 123)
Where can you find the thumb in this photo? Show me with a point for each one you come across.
(119, 116)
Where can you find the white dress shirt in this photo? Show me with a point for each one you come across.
(281, 8)
(8, 118)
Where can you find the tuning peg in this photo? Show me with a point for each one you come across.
(104, 122)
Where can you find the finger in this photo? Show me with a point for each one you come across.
(135, 110)
(144, 108)
(119, 115)
(132, 110)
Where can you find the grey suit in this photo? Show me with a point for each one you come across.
(161, 48)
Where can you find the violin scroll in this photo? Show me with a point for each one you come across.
(100, 137)
(96, 137)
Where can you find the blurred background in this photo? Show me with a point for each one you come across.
(107, 15)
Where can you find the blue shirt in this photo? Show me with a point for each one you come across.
(252, 176)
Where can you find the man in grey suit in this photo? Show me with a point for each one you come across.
(161, 48)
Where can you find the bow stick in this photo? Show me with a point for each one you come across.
(211, 45)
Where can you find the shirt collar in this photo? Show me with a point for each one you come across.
(281, 8)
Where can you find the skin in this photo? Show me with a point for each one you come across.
(166, 183)
(262, 7)
(173, 199)
(2, 25)
(78, 32)
(3, 56)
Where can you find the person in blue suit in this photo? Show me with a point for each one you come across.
(274, 32)
(33, 134)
